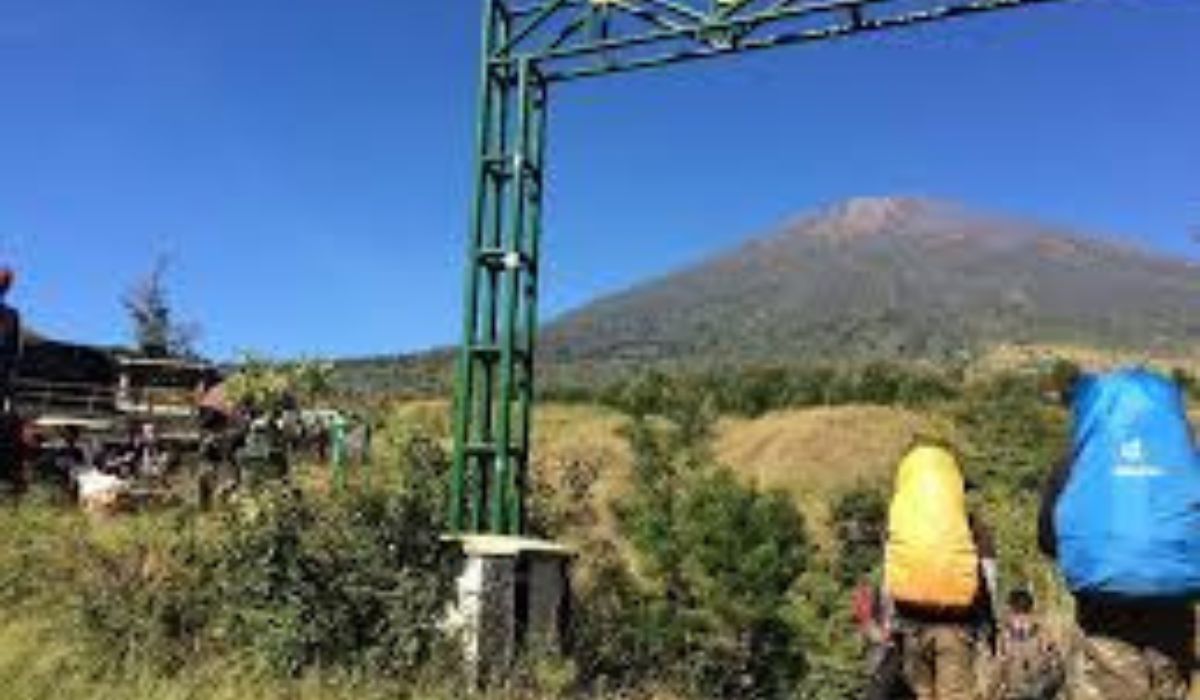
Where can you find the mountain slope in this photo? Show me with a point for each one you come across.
(892, 278)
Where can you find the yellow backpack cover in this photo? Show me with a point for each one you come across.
(931, 558)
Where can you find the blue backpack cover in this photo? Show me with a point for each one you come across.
(1128, 518)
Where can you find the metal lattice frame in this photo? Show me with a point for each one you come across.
(526, 47)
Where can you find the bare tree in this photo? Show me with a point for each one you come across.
(155, 331)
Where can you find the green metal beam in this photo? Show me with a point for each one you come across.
(673, 31)
(525, 49)
(494, 386)
(745, 42)
(470, 423)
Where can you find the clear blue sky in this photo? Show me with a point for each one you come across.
(306, 163)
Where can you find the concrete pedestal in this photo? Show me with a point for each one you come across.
(513, 596)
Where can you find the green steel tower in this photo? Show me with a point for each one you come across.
(527, 47)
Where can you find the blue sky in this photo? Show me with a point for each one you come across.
(305, 164)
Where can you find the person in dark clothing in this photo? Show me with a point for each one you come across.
(11, 466)
(1056, 481)
(218, 476)
(14, 453)
(10, 339)
(72, 455)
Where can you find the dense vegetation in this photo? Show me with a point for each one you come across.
(690, 582)
(747, 390)
(753, 391)
(281, 585)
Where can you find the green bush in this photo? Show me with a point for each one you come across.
(717, 560)
(753, 391)
(819, 609)
(618, 635)
(283, 581)
(360, 583)
(1013, 435)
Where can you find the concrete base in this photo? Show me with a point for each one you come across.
(513, 596)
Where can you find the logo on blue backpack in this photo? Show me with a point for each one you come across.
(1128, 519)
(1134, 460)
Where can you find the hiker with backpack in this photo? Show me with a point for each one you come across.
(1028, 663)
(1121, 516)
(933, 576)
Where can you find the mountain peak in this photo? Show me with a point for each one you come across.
(887, 277)
(860, 217)
(880, 210)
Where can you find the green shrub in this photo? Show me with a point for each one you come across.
(361, 582)
(618, 638)
(1013, 435)
(820, 610)
(717, 560)
(284, 581)
(753, 391)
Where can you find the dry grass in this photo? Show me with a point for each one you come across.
(1008, 357)
(566, 436)
(807, 452)
(821, 449)
(802, 451)
(814, 453)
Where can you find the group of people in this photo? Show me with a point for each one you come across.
(99, 474)
(246, 447)
(140, 455)
(239, 445)
(1120, 518)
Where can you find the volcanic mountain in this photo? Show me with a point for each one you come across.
(892, 278)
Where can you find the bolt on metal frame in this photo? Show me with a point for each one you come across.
(527, 46)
